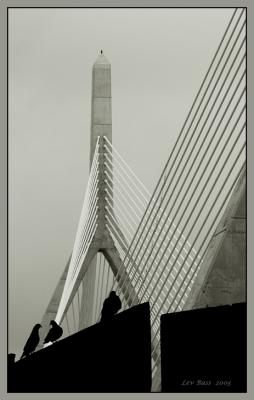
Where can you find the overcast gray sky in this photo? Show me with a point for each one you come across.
(158, 60)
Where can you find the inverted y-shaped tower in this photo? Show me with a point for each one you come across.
(98, 236)
(175, 258)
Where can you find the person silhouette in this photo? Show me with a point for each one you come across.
(111, 305)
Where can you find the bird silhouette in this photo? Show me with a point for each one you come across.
(54, 333)
(111, 305)
(32, 342)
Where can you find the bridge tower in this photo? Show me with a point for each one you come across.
(102, 241)
(187, 245)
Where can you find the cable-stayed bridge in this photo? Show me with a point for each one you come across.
(154, 247)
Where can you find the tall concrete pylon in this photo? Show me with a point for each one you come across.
(101, 110)
(221, 279)
(101, 125)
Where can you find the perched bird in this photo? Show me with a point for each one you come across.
(32, 341)
(111, 305)
(54, 333)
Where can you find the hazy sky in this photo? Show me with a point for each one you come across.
(158, 60)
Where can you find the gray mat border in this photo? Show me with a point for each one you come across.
(4, 4)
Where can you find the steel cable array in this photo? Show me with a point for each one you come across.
(162, 238)
(86, 229)
(195, 185)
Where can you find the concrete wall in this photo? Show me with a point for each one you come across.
(111, 356)
(204, 350)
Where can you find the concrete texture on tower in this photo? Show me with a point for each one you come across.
(101, 125)
(222, 276)
(101, 115)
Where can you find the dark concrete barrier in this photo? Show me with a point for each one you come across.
(204, 350)
(106, 357)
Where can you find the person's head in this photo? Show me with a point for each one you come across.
(113, 293)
